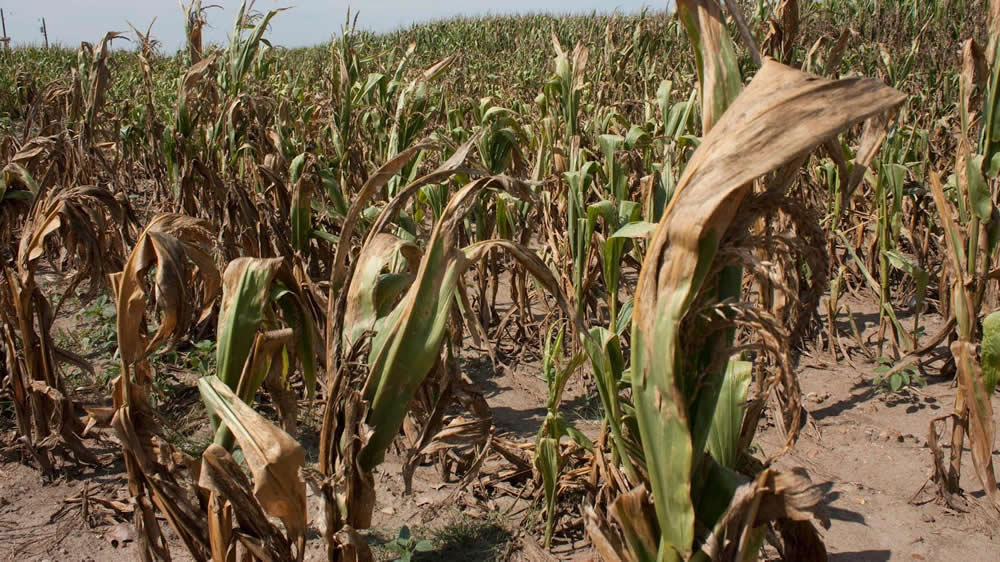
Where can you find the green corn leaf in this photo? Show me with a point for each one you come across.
(335, 192)
(564, 428)
(370, 291)
(625, 318)
(637, 137)
(297, 315)
(724, 436)
(991, 351)
(302, 193)
(994, 169)
(716, 484)
(715, 56)
(407, 346)
(979, 191)
(606, 360)
(553, 345)
(548, 465)
(296, 167)
(920, 276)
(666, 440)
(636, 229)
(373, 80)
(610, 144)
(245, 296)
(602, 209)
(663, 98)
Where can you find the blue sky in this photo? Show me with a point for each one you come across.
(307, 22)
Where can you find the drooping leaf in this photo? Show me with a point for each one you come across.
(305, 185)
(368, 288)
(273, 457)
(979, 191)
(178, 248)
(229, 484)
(408, 344)
(780, 497)
(245, 295)
(636, 229)
(781, 115)
(547, 462)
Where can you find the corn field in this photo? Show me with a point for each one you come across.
(292, 266)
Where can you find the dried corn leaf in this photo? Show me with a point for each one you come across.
(370, 289)
(274, 458)
(178, 248)
(788, 498)
(981, 425)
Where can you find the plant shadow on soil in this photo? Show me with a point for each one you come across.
(517, 397)
(861, 556)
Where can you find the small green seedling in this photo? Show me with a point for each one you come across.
(406, 545)
(893, 381)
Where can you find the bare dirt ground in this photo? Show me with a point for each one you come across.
(866, 449)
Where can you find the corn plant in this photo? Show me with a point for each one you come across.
(407, 344)
(972, 245)
(252, 346)
(178, 249)
(548, 455)
(678, 380)
(42, 404)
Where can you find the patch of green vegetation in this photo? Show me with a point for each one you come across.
(98, 334)
(199, 358)
(469, 539)
(405, 545)
(462, 538)
(892, 379)
(96, 337)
